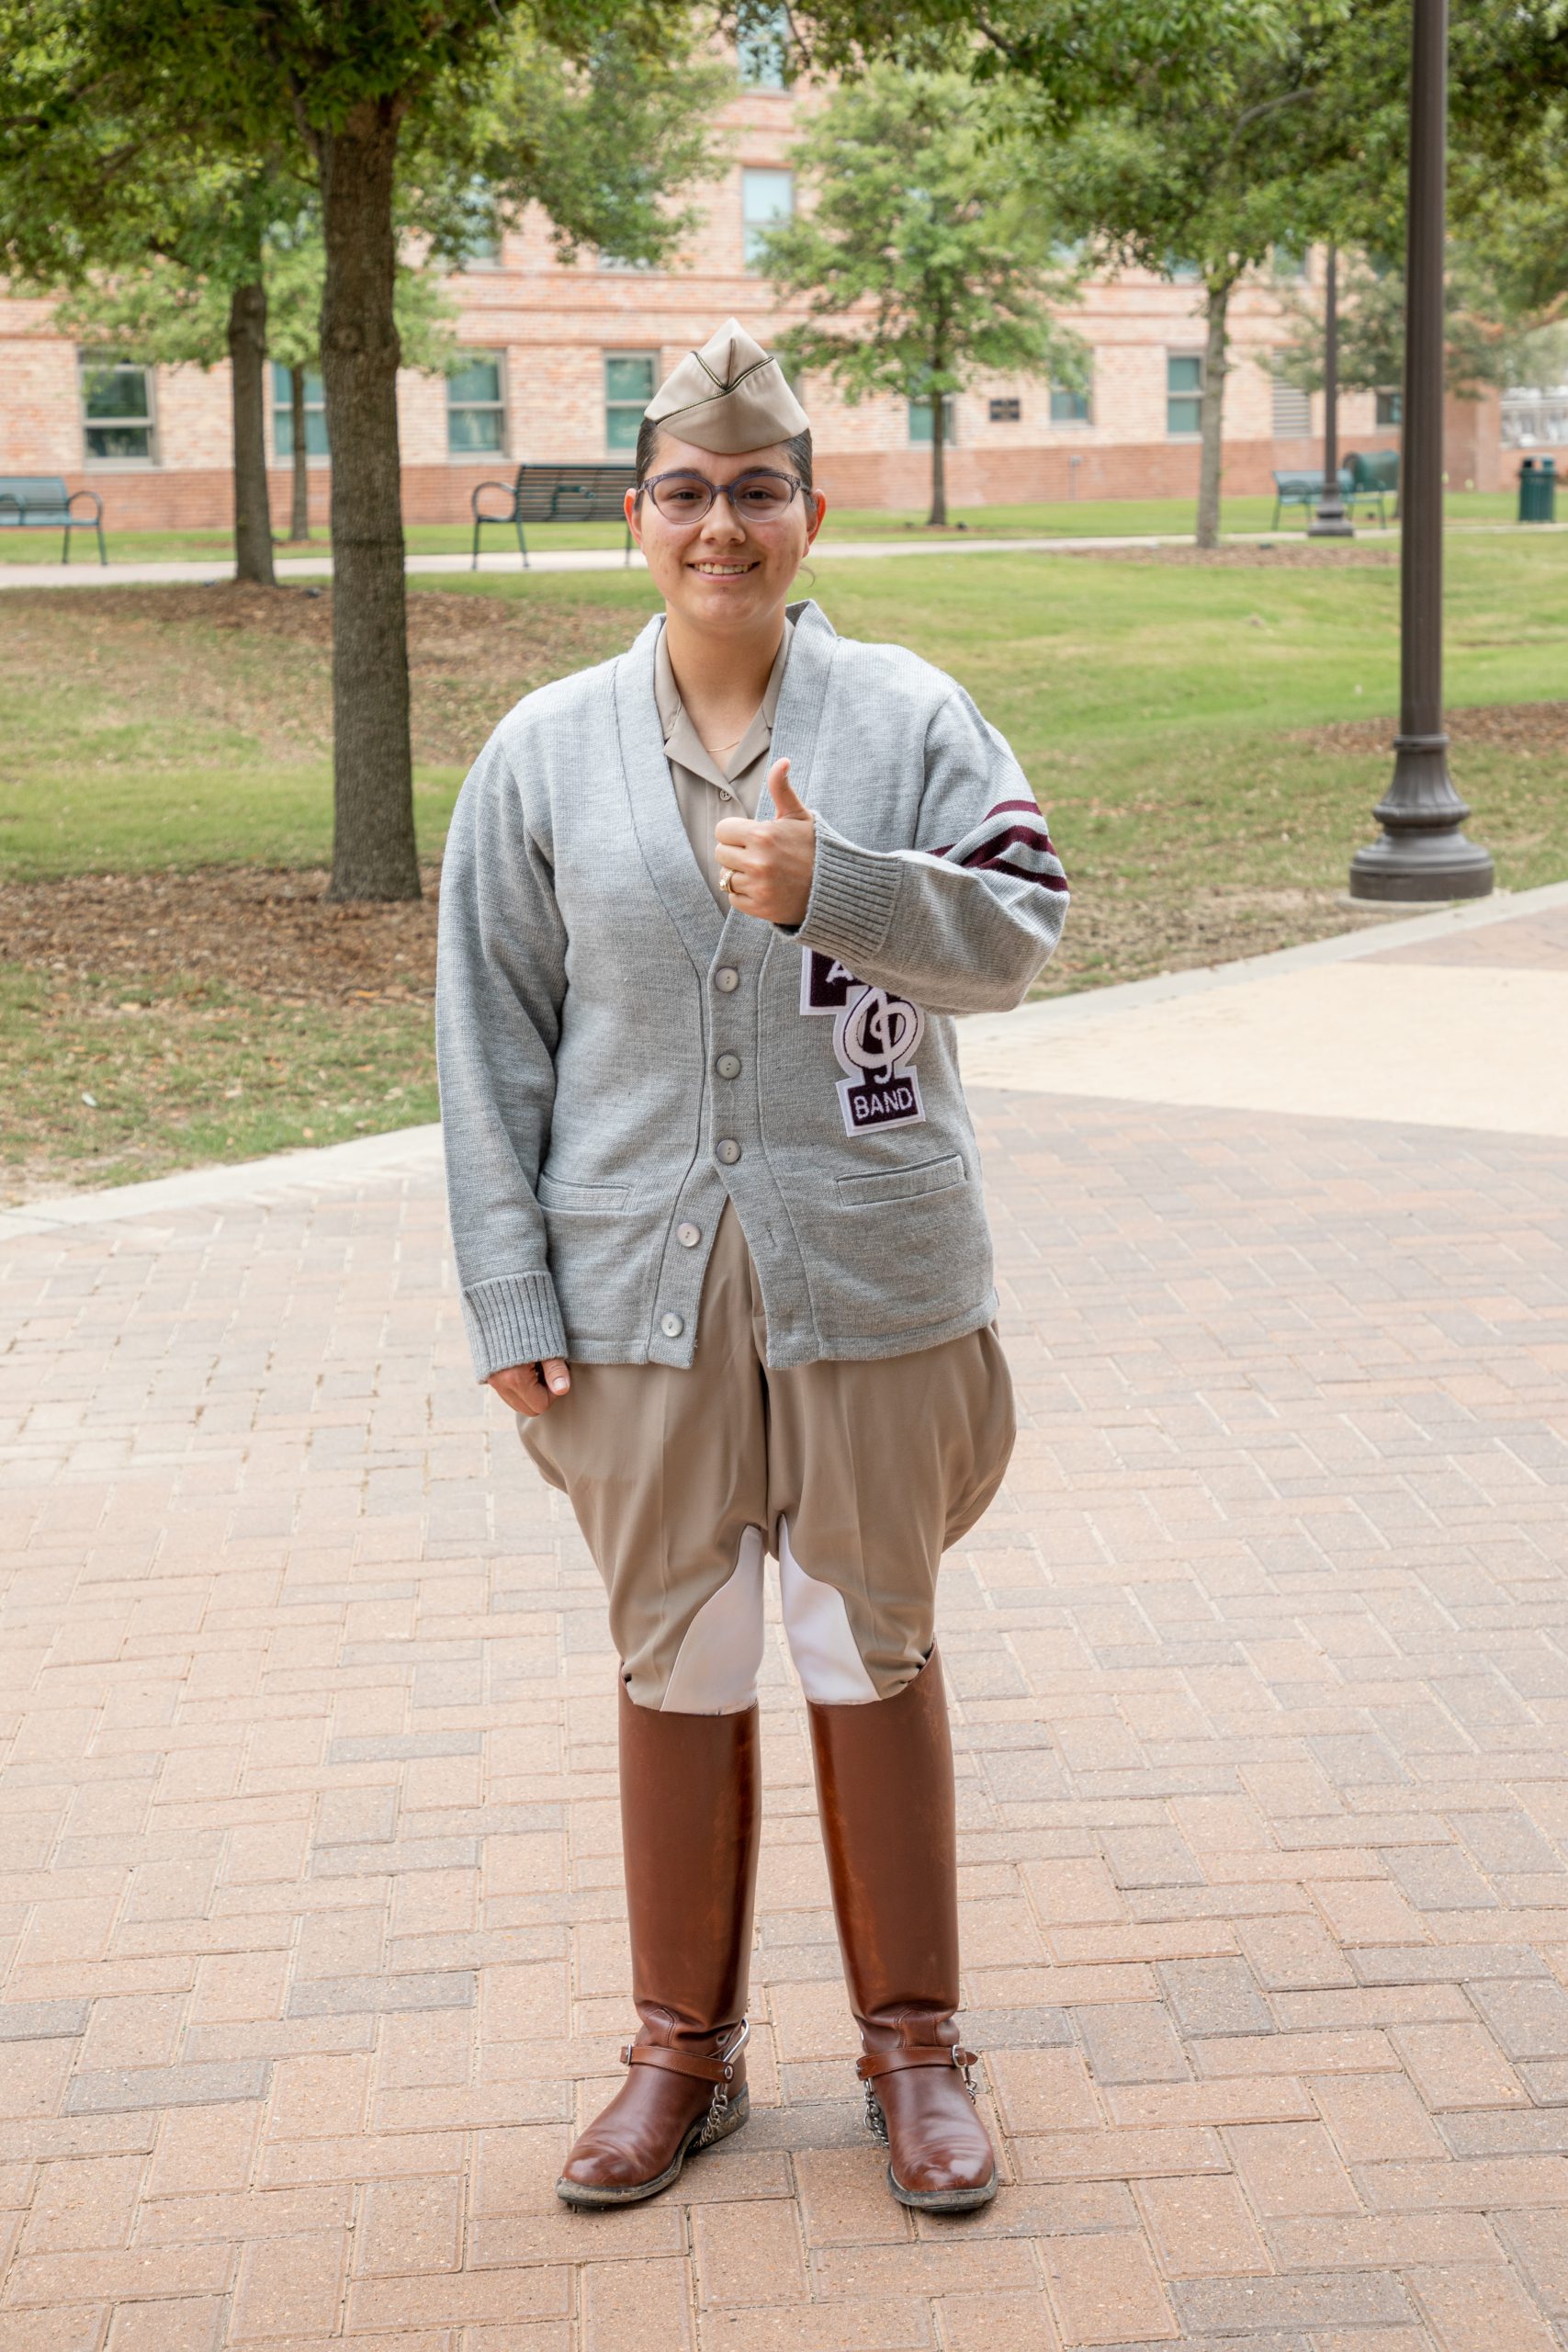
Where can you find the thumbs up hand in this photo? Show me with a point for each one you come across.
(768, 864)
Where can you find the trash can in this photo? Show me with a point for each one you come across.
(1537, 490)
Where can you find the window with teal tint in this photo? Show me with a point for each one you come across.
(1390, 408)
(479, 243)
(767, 197)
(476, 407)
(629, 382)
(117, 411)
(921, 421)
(1068, 408)
(283, 413)
(761, 48)
(1184, 391)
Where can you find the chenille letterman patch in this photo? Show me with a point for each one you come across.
(875, 1036)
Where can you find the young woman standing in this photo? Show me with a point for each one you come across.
(707, 912)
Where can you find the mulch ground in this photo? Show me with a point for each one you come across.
(276, 934)
(1511, 726)
(271, 934)
(1271, 555)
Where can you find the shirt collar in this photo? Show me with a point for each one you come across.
(682, 740)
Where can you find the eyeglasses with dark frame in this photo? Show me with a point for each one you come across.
(759, 495)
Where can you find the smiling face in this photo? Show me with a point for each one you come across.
(729, 573)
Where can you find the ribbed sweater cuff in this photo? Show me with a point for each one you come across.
(513, 1318)
(854, 892)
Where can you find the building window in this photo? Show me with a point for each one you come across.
(1290, 261)
(1390, 408)
(478, 238)
(629, 379)
(1006, 411)
(1292, 413)
(921, 421)
(761, 50)
(283, 413)
(1183, 391)
(1182, 273)
(116, 412)
(766, 199)
(1068, 408)
(476, 407)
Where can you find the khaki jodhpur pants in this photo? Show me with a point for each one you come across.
(856, 1476)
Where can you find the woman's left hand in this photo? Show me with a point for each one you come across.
(770, 862)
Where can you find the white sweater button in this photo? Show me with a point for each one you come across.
(688, 1236)
(729, 1151)
(727, 979)
(673, 1326)
(729, 1065)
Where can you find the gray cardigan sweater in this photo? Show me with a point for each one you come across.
(617, 1056)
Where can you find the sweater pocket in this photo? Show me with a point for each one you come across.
(902, 1184)
(554, 1193)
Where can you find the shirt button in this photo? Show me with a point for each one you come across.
(729, 1065)
(729, 1151)
(688, 1236)
(727, 979)
(672, 1326)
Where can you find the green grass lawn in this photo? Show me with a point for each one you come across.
(1085, 518)
(1185, 723)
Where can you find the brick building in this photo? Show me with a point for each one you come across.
(562, 357)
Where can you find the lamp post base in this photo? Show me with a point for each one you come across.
(1423, 855)
(1330, 522)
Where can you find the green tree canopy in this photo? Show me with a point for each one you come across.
(592, 108)
(1210, 178)
(921, 262)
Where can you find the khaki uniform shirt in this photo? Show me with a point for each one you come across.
(705, 790)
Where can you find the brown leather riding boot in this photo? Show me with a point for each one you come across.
(690, 1821)
(884, 1786)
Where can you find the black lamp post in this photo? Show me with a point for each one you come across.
(1422, 853)
(1331, 522)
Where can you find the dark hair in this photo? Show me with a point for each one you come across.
(798, 447)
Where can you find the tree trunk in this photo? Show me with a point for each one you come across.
(247, 379)
(1216, 363)
(374, 850)
(938, 515)
(300, 520)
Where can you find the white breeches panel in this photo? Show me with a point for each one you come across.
(858, 1476)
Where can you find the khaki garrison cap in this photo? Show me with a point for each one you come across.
(728, 397)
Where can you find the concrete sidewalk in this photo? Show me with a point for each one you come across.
(310, 1950)
(132, 575)
(205, 573)
(1458, 1018)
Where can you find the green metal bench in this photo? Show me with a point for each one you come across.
(1372, 480)
(1363, 482)
(553, 494)
(42, 502)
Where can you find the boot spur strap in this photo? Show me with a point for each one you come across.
(877, 2062)
(676, 2059)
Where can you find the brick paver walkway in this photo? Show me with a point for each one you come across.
(309, 1911)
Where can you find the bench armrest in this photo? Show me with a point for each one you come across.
(9, 498)
(508, 490)
(97, 504)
